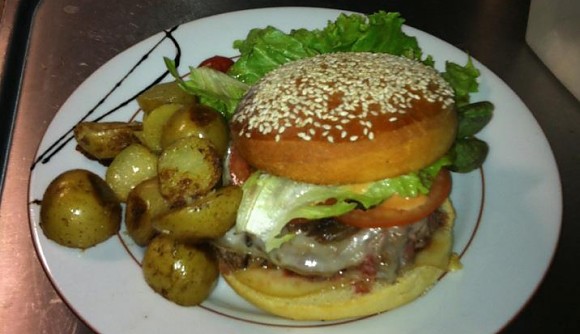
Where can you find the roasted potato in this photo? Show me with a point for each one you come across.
(182, 273)
(207, 217)
(187, 168)
(153, 125)
(129, 168)
(163, 93)
(79, 210)
(144, 202)
(103, 141)
(198, 121)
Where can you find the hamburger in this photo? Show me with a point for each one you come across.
(342, 159)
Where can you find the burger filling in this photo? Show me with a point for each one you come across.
(270, 202)
(328, 249)
(311, 230)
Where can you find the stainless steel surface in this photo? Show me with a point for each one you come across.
(69, 39)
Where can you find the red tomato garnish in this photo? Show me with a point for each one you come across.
(218, 63)
(240, 170)
(397, 210)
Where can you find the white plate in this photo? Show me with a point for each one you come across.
(508, 213)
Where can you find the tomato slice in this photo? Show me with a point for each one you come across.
(240, 170)
(397, 211)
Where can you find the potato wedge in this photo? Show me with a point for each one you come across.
(103, 141)
(182, 273)
(153, 124)
(163, 93)
(198, 121)
(132, 166)
(187, 168)
(79, 210)
(207, 217)
(144, 202)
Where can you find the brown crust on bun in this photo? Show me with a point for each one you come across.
(304, 299)
(346, 118)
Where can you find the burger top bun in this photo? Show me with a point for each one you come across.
(346, 118)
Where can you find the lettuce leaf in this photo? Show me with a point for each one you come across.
(213, 88)
(463, 80)
(378, 32)
(265, 49)
(270, 202)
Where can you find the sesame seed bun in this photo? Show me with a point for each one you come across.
(346, 118)
(299, 298)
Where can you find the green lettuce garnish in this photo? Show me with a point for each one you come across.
(213, 88)
(264, 50)
(468, 151)
(463, 80)
(267, 48)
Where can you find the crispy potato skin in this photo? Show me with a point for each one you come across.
(182, 273)
(144, 203)
(103, 141)
(154, 125)
(187, 168)
(197, 121)
(167, 165)
(207, 217)
(163, 93)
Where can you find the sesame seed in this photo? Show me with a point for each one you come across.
(304, 136)
(321, 95)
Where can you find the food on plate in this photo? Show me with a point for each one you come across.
(161, 94)
(154, 124)
(187, 168)
(103, 141)
(144, 203)
(350, 186)
(169, 177)
(360, 116)
(468, 149)
(182, 273)
(134, 164)
(199, 121)
(79, 210)
(218, 63)
(206, 217)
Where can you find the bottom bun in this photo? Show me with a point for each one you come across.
(303, 299)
